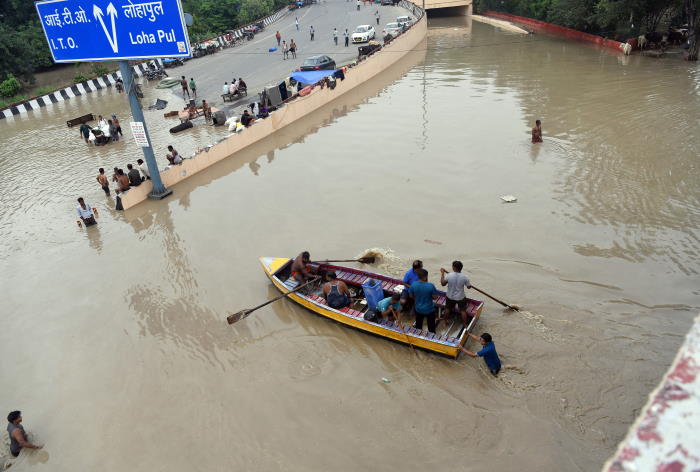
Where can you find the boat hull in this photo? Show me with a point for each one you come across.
(445, 345)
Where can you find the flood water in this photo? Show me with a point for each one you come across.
(114, 340)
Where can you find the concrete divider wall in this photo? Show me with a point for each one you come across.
(290, 112)
(541, 26)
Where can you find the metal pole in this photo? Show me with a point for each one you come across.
(159, 191)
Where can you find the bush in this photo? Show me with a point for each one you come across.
(99, 70)
(10, 86)
(79, 78)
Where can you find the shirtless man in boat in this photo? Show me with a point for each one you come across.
(300, 268)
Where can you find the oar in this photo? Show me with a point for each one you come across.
(512, 307)
(245, 313)
(364, 260)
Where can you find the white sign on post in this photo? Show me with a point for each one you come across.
(139, 133)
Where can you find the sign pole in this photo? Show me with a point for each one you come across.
(159, 191)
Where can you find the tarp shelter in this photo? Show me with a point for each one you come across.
(309, 77)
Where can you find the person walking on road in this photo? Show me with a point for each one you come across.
(285, 51)
(335, 36)
(279, 38)
(293, 49)
(346, 35)
(183, 84)
(296, 22)
(193, 87)
(376, 15)
(311, 32)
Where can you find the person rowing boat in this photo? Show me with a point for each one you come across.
(300, 268)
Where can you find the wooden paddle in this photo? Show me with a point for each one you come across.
(245, 313)
(363, 260)
(512, 307)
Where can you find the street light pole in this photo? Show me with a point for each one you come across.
(159, 191)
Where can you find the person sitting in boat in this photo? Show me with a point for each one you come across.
(390, 307)
(411, 276)
(300, 268)
(336, 292)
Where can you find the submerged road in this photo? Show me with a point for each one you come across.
(259, 67)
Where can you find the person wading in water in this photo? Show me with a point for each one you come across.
(537, 132)
(18, 438)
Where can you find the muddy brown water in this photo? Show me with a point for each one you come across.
(114, 340)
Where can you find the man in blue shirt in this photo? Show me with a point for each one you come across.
(422, 294)
(488, 352)
(409, 277)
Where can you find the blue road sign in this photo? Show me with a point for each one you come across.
(107, 30)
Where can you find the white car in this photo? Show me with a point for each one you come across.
(405, 20)
(394, 29)
(363, 33)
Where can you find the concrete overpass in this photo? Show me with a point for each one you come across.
(451, 7)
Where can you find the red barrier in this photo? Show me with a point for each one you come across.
(569, 33)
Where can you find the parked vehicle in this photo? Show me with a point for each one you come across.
(318, 63)
(172, 62)
(363, 33)
(405, 21)
(393, 29)
(387, 2)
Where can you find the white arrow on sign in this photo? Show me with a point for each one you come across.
(112, 12)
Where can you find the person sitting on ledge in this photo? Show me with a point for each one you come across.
(133, 175)
(247, 119)
(174, 157)
(192, 111)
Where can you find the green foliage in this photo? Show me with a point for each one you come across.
(10, 86)
(606, 17)
(98, 69)
(79, 78)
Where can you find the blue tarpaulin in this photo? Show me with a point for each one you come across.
(309, 77)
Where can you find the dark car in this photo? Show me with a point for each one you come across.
(318, 63)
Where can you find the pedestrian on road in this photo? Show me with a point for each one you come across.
(193, 87)
(335, 36)
(102, 179)
(346, 35)
(285, 51)
(488, 352)
(293, 49)
(376, 15)
(279, 38)
(312, 31)
(18, 438)
(296, 22)
(358, 5)
(183, 84)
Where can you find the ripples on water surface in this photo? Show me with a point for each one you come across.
(123, 325)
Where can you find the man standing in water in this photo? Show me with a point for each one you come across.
(85, 214)
(102, 179)
(18, 438)
(537, 132)
(488, 352)
(456, 281)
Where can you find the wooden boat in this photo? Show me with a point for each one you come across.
(449, 337)
(80, 120)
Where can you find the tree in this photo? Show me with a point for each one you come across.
(693, 16)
